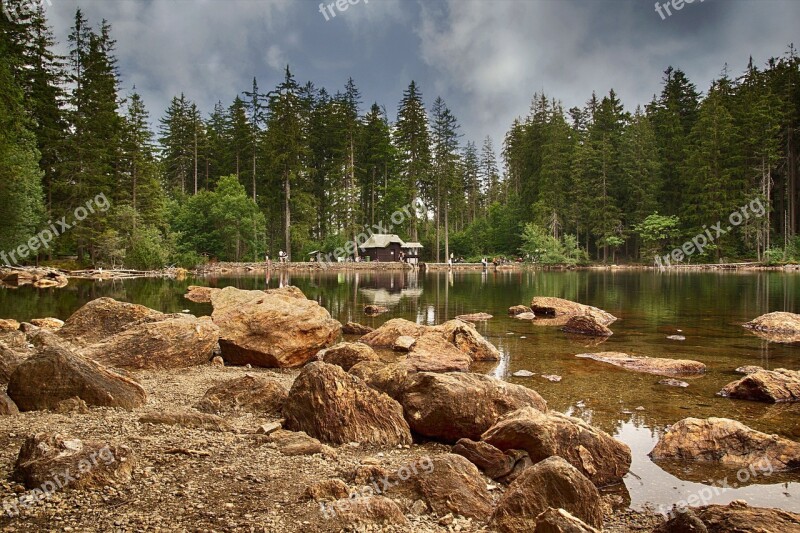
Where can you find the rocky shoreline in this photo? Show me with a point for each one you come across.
(260, 418)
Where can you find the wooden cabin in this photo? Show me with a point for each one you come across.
(383, 248)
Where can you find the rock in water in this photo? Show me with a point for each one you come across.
(374, 310)
(738, 516)
(515, 310)
(552, 483)
(475, 317)
(177, 341)
(457, 405)
(772, 386)
(53, 324)
(338, 408)
(199, 295)
(748, 369)
(659, 366)
(102, 318)
(726, 442)
(354, 328)
(347, 354)
(595, 453)
(250, 394)
(673, 383)
(778, 327)
(523, 374)
(544, 306)
(586, 325)
(55, 374)
(44, 460)
(277, 329)
(454, 485)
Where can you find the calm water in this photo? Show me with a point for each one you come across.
(708, 308)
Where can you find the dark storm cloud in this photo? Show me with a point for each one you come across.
(486, 58)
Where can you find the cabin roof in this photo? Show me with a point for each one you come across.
(382, 240)
(414, 245)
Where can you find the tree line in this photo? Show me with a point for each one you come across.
(301, 169)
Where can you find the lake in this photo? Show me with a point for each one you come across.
(707, 308)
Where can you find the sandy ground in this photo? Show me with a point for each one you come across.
(244, 484)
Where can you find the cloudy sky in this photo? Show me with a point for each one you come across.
(486, 58)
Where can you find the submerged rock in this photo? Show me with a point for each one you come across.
(374, 310)
(586, 325)
(457, 405)
(474, 317)
(650, 365)
(726, 442)
(338, 408)
(748, 369)
(271, 329)
(738, 516)
(673, 383)
(523, 374)
(516, 310)
(772, 386)
(552, 483)
(597, 455)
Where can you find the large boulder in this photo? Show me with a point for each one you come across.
(460, 335)
(660, 366)
(457, 405)
(738, 516)
(347, 354)
(8, 324)
(102, 318)
(177, 341)
(595, 453)
(559, 308)
(491, 460)
(56, 374)
(455, 486)
(271, 329)
(772, 386)
(9, 361)
(550, 483)
(586, 325)
(336, 407)
(433, 353)
(252, 394)
(52, 324)
(387, 378)
(727, 442)
(52, 462)
(778, 327)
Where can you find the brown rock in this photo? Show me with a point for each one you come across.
(7, 405)
(560, 521)
(276, 329)
(45, 458)
(453, 406)
(491, 460)
(772, 386)
(389, 379)
(673, 383)
(102, 318)
(9, 361)
(777, 327)
(404, 343)
(262, 396)
(738, 516)
(433, 353)
(527, 316)
(373, 310)
(518, 310)
(347, 514)
(748, 369)
(365, 369)
(327, 490)
(544, 306)
(335, 407)
(187, 419)
(218, 362)
(455, 486)
(8, 324)
(586, 325)
(178, 341)
(522, 461)
(295, 442)
(56, 374)
(72, 405)
(597, 455)
(474, 317)
(354, 328)
(726, 442)
(386, 335)
(347, 354)
(659, 366)
(682, 520)
(200, 295)
(467, 339)
(550, 483)
(52, 324)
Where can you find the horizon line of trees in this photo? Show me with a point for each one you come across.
(300, 169)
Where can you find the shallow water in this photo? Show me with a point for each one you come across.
(708, 308)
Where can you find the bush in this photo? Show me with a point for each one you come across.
(149, 250)
(542, 247)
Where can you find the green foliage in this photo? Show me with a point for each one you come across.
(542, 248)
(656, 233)
(148, 250)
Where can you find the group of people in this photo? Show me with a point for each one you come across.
(283, 257)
